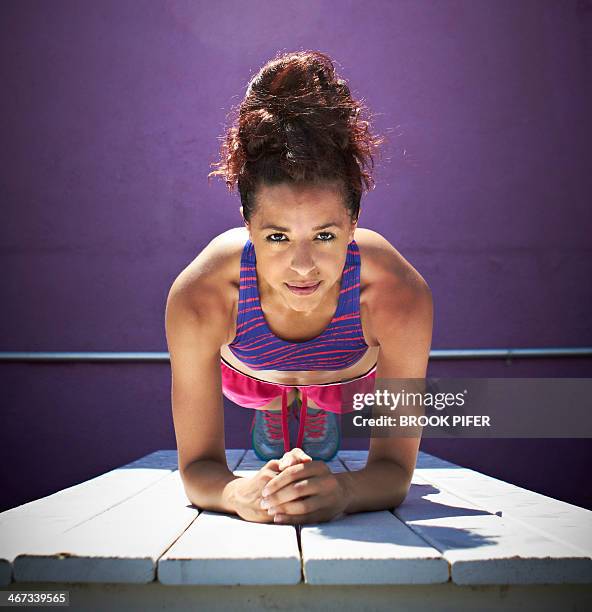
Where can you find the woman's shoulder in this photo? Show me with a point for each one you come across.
(382, 263)
(219, 260)
(390, 287)
(210, 281)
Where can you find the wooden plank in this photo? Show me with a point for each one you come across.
(551, 517)
(160, 459)
(483, 548)
(369, 548)
(27, 526)
(336, 465)
(250, 462)
(225, 549)
(24, 527)
(353, 459)
(121, 544)
(338, 552)
(353, 455)
(234, 457)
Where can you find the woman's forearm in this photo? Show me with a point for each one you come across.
(381, 485)
(209, 485)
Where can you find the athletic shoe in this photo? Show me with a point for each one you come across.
(321, 437)
(267, 436)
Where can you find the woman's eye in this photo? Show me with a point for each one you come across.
(276, 237)
(328, 236)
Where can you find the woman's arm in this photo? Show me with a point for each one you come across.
(405, 339)
(195, 332)
(196, 328)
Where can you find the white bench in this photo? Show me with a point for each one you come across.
(461, 540)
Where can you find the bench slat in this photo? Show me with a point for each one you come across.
(224, 549)
(30, 526)
(553, 518)
(353, 459)
(369, 548)
(23, 527)
(550, 518)
(483, 548)
(119, 545)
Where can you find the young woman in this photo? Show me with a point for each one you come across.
(298, 303)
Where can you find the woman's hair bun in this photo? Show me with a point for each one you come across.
(298, 122)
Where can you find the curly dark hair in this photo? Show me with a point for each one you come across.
(298, 123)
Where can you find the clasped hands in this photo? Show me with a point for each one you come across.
(293, 490)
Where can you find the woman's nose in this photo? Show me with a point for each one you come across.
(302, 261)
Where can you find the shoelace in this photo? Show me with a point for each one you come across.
(315, 425)
(273, 424)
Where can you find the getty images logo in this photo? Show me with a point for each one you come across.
(392, 401)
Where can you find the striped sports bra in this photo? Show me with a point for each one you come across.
(339, 346)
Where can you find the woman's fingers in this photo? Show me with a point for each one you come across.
(301, 507)
(295, 481)
(273, 465)
(289, 475)
(295, 490)
(309, 493)
(296, 455)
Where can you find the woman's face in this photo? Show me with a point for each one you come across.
(300, 234)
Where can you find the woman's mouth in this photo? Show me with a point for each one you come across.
(300, 290)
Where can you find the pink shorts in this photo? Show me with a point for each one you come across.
(251, 392)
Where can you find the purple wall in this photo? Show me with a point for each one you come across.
(111, 113)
